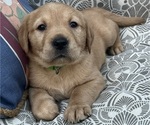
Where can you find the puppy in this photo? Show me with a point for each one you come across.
(66, 49)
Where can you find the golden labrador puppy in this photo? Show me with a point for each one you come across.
(66, 48)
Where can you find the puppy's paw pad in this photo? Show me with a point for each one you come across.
(76, 113)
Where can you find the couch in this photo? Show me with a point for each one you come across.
(126, 99)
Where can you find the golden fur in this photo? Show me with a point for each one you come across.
(79, 78)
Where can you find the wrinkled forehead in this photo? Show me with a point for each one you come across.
(59, 10)
(55, 13)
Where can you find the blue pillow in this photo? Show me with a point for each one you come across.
(27, 5)
(13, 79)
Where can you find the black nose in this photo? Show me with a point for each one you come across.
(60, 43)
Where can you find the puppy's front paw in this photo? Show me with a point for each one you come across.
(116, 49)
(46, 110)
(76, 113)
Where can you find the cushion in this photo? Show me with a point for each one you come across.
(13, 62)
(12, 11)
(126, 100)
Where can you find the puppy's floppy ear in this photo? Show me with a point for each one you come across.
(23, 34)
(89, 38)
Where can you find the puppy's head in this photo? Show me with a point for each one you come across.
(55, 34)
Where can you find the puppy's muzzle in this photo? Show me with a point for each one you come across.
(60, 43)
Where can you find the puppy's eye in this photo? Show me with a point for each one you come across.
(41, 27)
(73, 24)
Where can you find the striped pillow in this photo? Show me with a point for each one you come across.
(13, 81)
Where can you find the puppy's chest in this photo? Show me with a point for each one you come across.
(59, 92)
(60, 85)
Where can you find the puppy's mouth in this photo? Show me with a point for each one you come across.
(61, 58)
